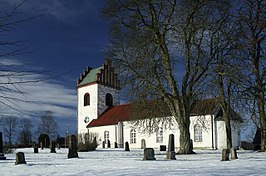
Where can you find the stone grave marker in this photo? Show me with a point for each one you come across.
(2, 155)
(73, 149)
(171, 148)
(143, 144)
(108, 144)
(225, 154)
(233, 153)
(116, 146)
(162, 147)
(127, 146)
(191, 144)
(149, 154)
(58, 146)
(20, 158)
(52, 147)
(35, 148)
(41, 145)
(103, 144)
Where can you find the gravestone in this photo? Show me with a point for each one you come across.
(257, 140)
(2, 155)
(127, 146)
(35, 148)
(162, 147)
(170, 154)
(149, 154)
(191, 144)
(20, 158)
(233, 153)
(143, 144)
(225, 154)
(108, 144)
(58, 146)
(73, 149)
(41, 145)
(103, 144)
(116, 146)
(52, 146)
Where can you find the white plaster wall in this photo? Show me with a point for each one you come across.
(90, 110)
(221, 135)
(100, 131)
(97, 103)
(205, 123)
(150, 139)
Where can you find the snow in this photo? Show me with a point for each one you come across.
(116, 162)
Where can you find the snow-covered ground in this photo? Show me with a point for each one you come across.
(114, 162)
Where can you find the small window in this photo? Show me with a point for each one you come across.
(159, 135)
(109, 100)
(197, 133)
(106, 136)
(132, 136)
(86, 99)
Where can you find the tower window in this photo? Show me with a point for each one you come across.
(86, 99)
(197, 133)
(108, 100)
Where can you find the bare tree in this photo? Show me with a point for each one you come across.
(10, 125)
(13, 75)
(48, 125)
(228, 69)
(252, 17)
(25, 135)
(161, 50)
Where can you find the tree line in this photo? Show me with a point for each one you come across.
(20, 130)
(179, 51)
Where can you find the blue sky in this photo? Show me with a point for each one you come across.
(67, 36)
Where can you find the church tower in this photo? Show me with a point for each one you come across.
(97, 89)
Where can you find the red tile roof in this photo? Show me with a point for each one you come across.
(112, 116)
(115, 114)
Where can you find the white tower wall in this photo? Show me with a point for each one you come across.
(97, 103)
(91, 110)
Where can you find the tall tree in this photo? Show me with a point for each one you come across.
(160, 47)
(252, 17)
(13, 74)
(228, 70)
(10, 125)
(25, 134)
(48, 125)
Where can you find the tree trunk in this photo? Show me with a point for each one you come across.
(261, 105)
(256, 59)
(228, 129)
(184, 139)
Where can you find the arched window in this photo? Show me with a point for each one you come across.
(132, 136)
(106, 136)
(86, 99)
(159, 135)
(197, 133)
(108, 100)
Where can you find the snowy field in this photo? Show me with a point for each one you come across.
(114, 162)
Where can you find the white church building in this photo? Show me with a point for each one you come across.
(99, 111)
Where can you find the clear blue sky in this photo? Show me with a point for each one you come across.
(68, 36)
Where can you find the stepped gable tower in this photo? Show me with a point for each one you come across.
(97, 89)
